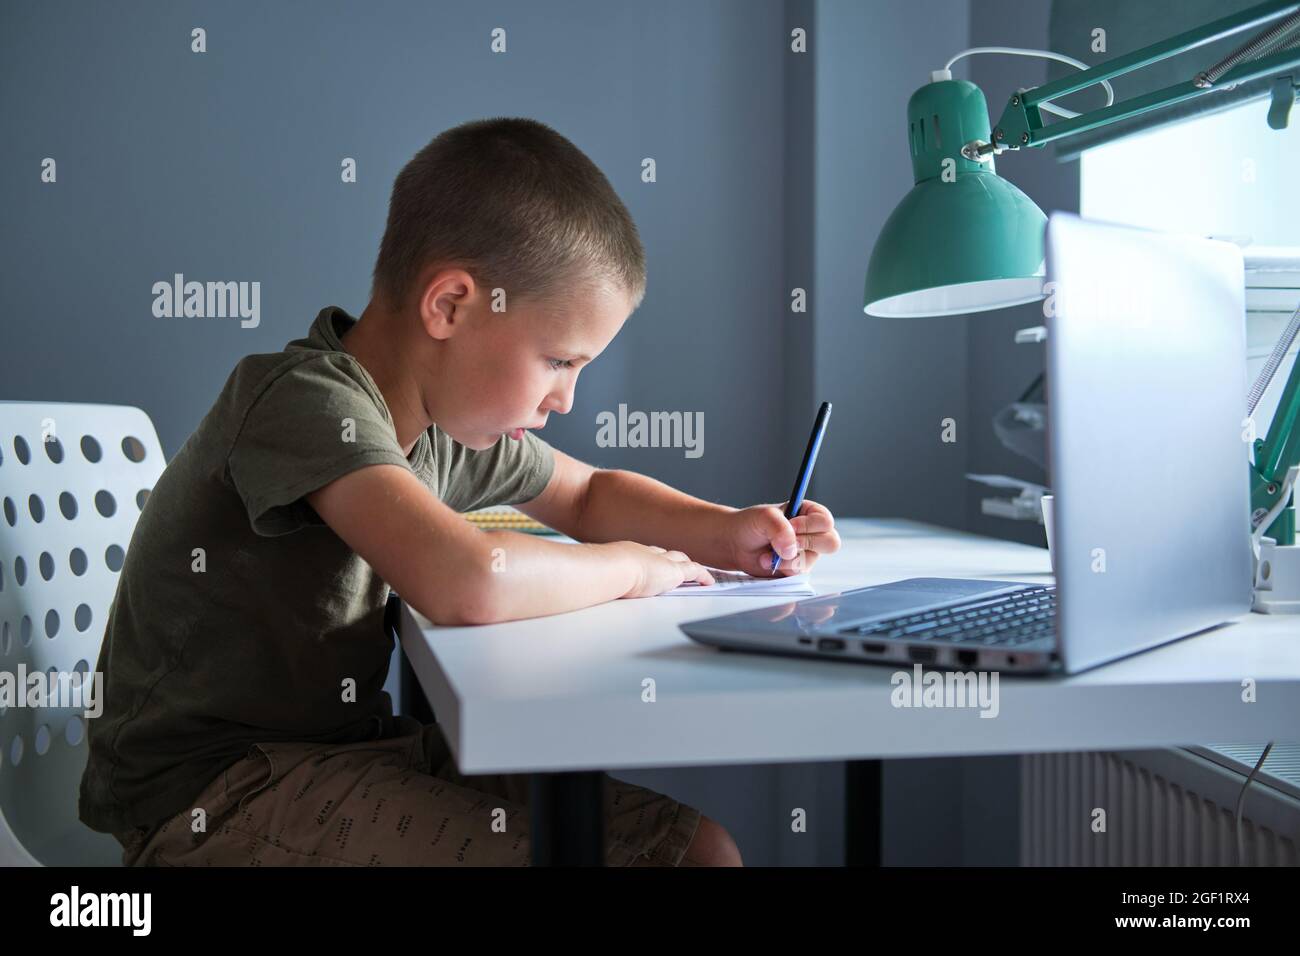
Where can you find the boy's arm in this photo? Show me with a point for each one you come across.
(600, 505)
(454, 573)
(562, 501)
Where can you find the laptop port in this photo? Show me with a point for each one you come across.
(925, 655)
(805, 640)
(873, 648)
(967, 657)
(830, 644)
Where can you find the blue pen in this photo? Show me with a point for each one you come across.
(805, 470)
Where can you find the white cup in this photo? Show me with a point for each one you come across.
(1047, 526)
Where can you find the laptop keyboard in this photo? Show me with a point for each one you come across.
(1007, 620)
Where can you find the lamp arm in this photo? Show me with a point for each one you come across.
(1275, 455)
(1021, 123)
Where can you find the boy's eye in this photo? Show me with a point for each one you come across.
(558, 364)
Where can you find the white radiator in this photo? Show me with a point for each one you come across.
(1162, 808)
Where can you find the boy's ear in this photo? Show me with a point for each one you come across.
(444, 295)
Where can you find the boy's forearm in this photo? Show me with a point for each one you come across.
(532, 577)
(627, 506)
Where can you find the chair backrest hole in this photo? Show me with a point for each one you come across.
(51, 623)
(78, 679)
(53, 449)
(11, 513)
(113, 557)
(105, 504)
(68, 505)
(90, 449)
(82, 617)
(42, 740)
(46, 563)
(36, 507)
(133, 448)
(78, 561)
(20, 571)
(141, 497)
(21, 450)
(16, 750)
(73, 731)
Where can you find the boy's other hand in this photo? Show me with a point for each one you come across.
(755, 532)
(660, 569)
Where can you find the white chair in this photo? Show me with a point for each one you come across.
(73, 481)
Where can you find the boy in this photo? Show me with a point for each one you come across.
(245, 655)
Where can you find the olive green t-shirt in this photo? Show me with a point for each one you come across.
(240, 617)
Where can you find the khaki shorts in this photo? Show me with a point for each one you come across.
(393, 802)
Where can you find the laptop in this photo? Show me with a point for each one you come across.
(1146, 379)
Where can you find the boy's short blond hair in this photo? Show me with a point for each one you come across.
(516, 205)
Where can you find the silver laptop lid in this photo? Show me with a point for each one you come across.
(1146, 380)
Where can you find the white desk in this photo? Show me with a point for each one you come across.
(564, 693)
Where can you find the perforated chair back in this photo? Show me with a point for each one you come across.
(73, 481)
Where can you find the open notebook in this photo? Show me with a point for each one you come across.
(733, 583)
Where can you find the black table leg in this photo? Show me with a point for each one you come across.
(862, 812)
(568, 819)
(413, 702)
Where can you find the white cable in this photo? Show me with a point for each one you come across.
(1060, 111)
(1046, 54)
(1241, 799)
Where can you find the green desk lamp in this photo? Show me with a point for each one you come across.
(965, 240)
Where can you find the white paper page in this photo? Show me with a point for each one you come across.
(735, 584)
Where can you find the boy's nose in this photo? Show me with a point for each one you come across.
(560, 403)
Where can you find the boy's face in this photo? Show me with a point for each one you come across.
(505, 372)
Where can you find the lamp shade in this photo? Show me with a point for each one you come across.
(964, 239)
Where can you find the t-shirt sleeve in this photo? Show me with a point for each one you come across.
(509, 473)
(315, 422)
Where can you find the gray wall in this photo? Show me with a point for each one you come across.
(893, 380)
(999, 370)
(896, 379)
(948, 812)
(225, 166)
(774, 171)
